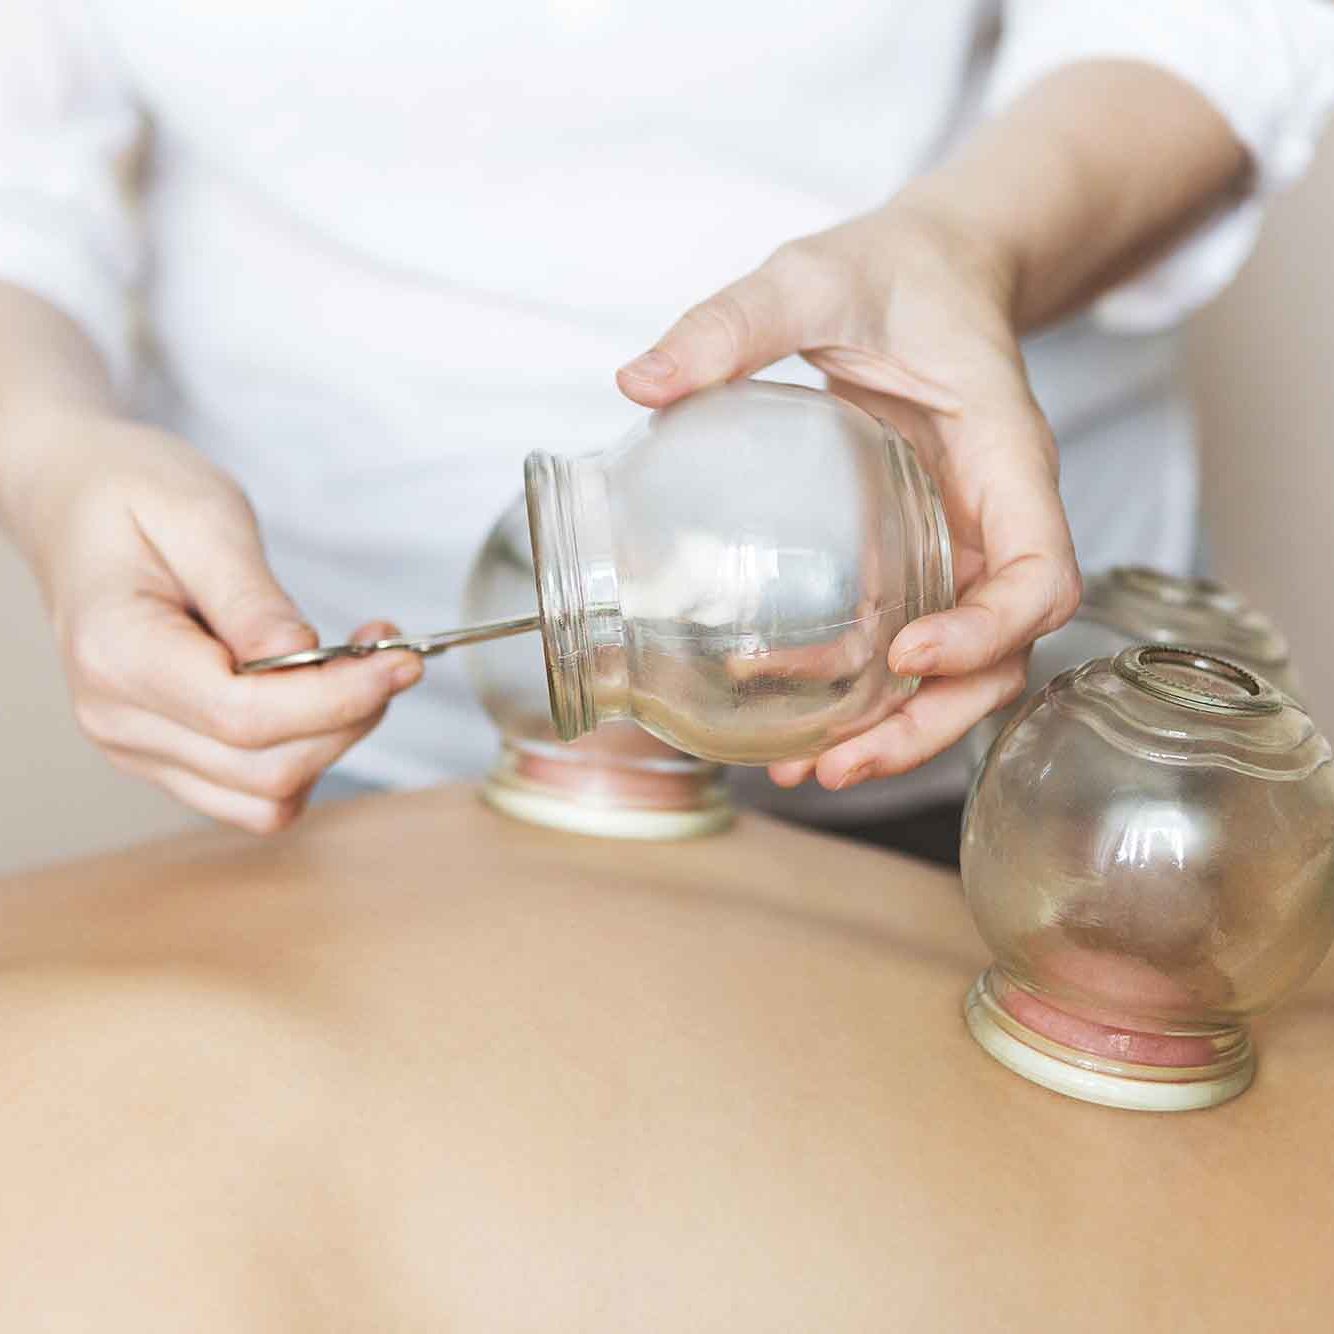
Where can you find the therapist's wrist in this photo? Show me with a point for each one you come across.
(1093, 173)
(66, 480)
(38, 460)
(934, 214)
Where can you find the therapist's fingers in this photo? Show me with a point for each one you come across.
(1031, 582)
(791, 773)
(935, 718)
(1029, 597)
(256, 815)
(214, 551)
(261, 790)
(153, 655)
(278, 773)
(780, 308)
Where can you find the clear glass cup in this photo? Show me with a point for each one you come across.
(732, 574)
(1149, 854)
(617, 782)
(1150, 607)
(1132, 604)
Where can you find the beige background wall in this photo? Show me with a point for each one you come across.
(1262, 362)
(58, 797)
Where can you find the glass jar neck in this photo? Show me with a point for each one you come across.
(583, 631)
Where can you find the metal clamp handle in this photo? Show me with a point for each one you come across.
(426, 645)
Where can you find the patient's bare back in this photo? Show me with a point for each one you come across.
(415, 1067)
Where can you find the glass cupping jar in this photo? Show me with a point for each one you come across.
(617, 782)
(1149, 854)
(1133, 604)
(732, 574)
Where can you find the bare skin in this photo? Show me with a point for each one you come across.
(415, 1067)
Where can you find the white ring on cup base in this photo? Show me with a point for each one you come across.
(574, 817)
(1136, 1095)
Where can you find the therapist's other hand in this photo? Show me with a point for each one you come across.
(909, 316)
(151, 563)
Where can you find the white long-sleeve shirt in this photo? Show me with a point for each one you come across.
(384, 250)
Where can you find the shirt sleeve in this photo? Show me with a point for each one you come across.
(1266, 65)
(67, 126)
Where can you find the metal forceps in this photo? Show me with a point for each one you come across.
(426, 645)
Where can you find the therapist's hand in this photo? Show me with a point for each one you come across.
(911, 318)
(916, 311)
(152, 567)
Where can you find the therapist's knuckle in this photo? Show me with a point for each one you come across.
(246, 609)
(990, 632)
(723, 320)
(222, 717)
(236, 717)
(1066, 593)
(912, 742)
(232, 729)
(281, 778)
(221, 506)
(270, 817)
(819, 271)
(363, 697)
(1043, 439)
(1006, 417)
(797, 264)
(1011, 680)
(94, 657)
(95, 720)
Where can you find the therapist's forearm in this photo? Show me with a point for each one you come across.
(47, 366)
(1084, 180)
(45, 358)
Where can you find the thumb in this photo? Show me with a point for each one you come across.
(220, 565)
(745, 327)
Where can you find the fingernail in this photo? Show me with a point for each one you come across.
(277, 637)
(915, 661)
(287, 631)
(857, 774)
(368, 634)
(652, 365)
